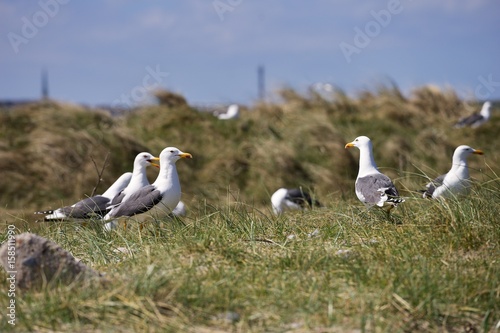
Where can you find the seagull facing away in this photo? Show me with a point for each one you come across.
(92, 207)
(233, 112)
(139, 177)
(477, 119)
(372, 187)
(163, 194)
(291, 199)
(457, 180)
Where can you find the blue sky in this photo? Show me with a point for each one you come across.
(113, 51)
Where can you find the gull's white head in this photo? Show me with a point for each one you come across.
(170, 155)
(486, 109)
(367, 163)
(145, 159)
(463, 151)
(277, 200)
(360, 141)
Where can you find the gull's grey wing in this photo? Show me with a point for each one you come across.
(433, 185)
(87, 208)
(301, 197)
(117, 199)
(139, 202)
(370, 187)
(470, 120)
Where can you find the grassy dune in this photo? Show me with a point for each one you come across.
(230, 265)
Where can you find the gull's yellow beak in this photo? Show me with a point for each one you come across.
(478, 152)
(186, 155)
(349, 145)
(155, 159)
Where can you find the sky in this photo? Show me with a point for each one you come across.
(117, 52)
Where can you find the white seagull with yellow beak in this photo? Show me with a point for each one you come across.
(457, 180)
(164, 194)
(372, 187)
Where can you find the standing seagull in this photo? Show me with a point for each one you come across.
(372, 187)
(93, 207)
(457, 180)
(139, 177)
(291, 199)
(164, 193)
(476, 119)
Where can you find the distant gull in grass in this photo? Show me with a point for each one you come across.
(291, 199)
(372, 187)
(164, 194)
(233, 112)
(457, 180)
(477, 119)
(92, 207)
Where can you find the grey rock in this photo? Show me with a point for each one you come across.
(39, 261)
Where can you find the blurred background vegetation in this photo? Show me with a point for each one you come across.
(50, 150)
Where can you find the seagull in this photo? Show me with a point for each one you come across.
(92, 207)
(291, 199)
(233, 112)
(457, 180)
(372, 187)
(138, 181)
(476, 119)
(139, 177)
(164, 193)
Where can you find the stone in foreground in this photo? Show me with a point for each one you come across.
(39, 261)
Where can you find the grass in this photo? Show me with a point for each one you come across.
(432, 267)
(230, 265)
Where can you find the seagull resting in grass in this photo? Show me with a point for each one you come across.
(92, 207)
(372, 187)
(164, 194)
(457, 180)
(291, 199)
(477, 119)
(233, 112)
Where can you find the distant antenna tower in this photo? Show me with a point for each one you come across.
(261, 82)
(45, 84)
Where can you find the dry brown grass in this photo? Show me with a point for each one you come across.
(48, 151)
